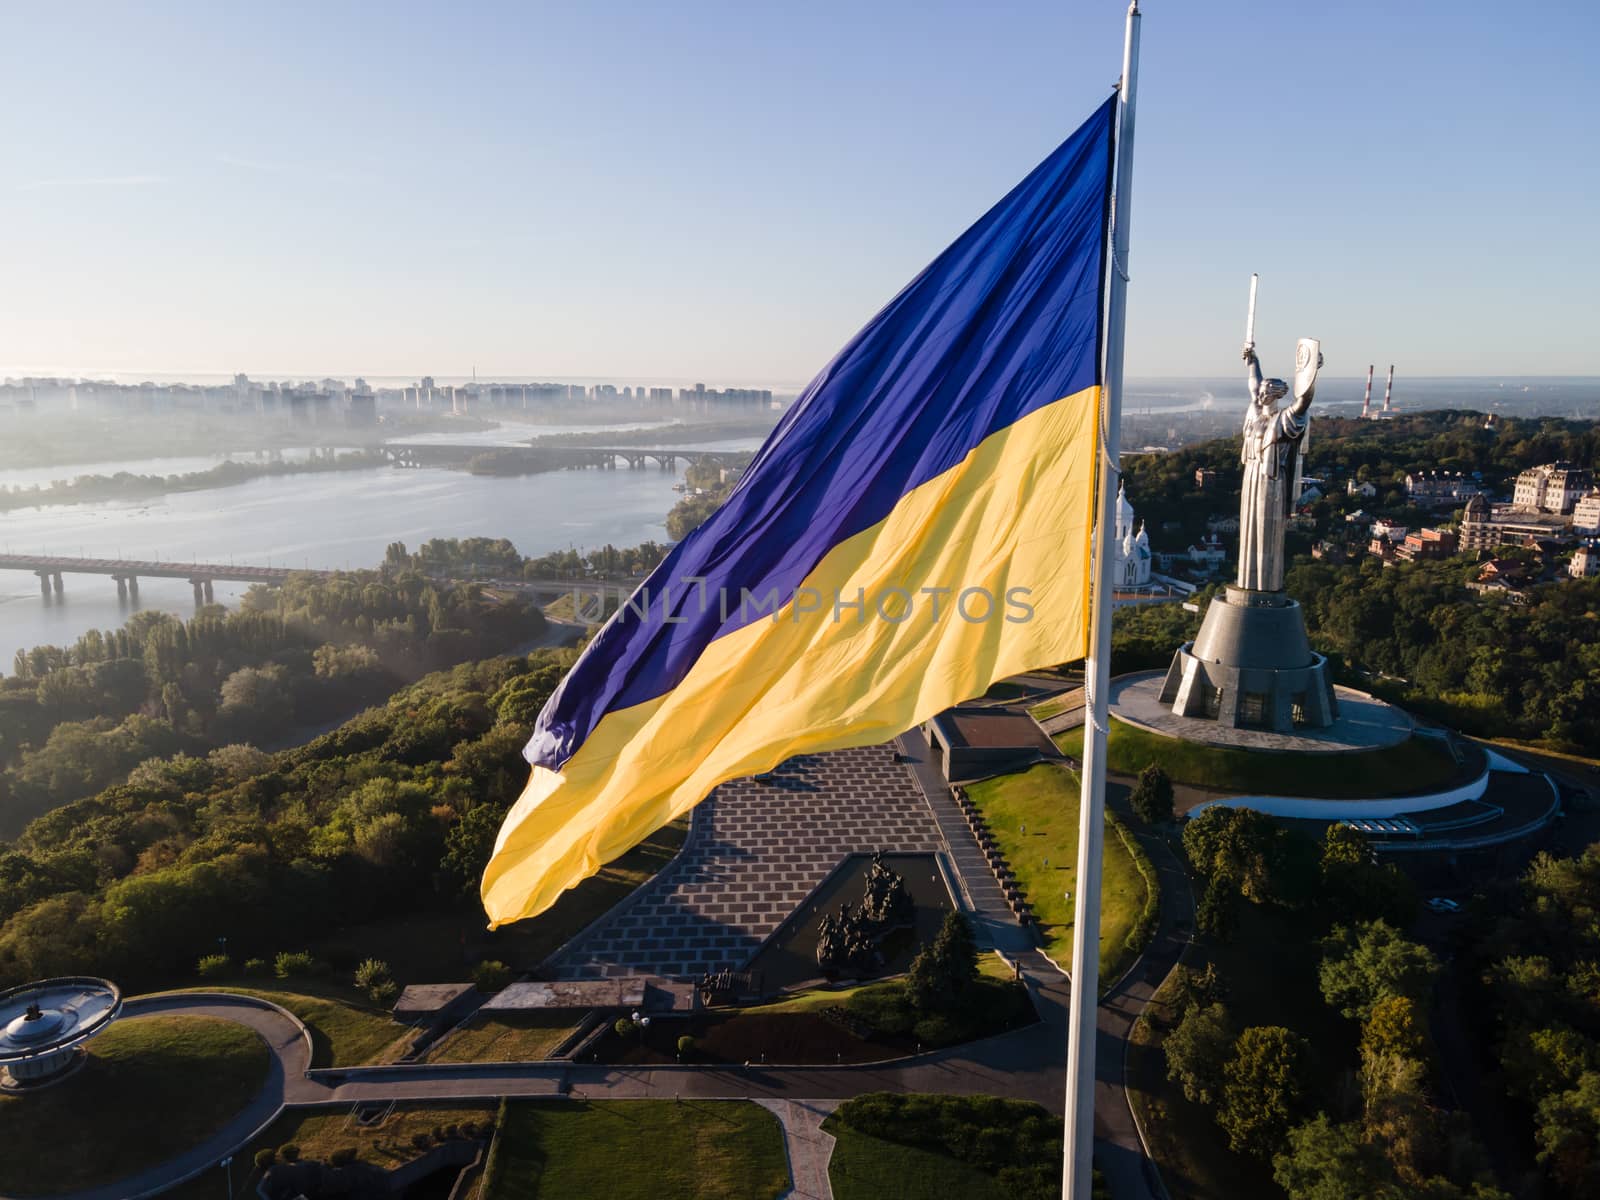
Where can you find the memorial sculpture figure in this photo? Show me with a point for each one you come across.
(1273, 453)
(1251, 665)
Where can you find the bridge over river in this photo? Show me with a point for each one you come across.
(511, 460)
(127, 572)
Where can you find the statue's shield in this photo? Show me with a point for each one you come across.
(1307, 358)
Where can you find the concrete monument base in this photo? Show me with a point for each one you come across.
(1252, 667)
(1364, 722)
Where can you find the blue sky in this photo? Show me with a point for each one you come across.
(728, 191)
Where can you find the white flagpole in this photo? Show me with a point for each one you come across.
(1078, 1145)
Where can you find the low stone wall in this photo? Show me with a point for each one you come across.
(1312, 809)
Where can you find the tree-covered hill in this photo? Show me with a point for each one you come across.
(74, 719)
(393, 812)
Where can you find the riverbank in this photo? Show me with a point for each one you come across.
(123, 486)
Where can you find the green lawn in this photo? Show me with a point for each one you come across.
(1415, 765)
(344, 1033)
(637, 1150)
(869, 1168)
(512, 1037)
(1043, 800)
(1056, 705)
(930, 1147)
(990, 965)
(152, 1088)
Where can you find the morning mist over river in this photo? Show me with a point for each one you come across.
(329, 520)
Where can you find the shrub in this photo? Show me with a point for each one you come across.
(452, 1130)
(383, 992)
(420, 1141)
(371, 972)
(256, 966)
(937, 1029)
(213, 966)
(491, 975)
(685, 1046)
(289, 1152)
(438, 1133)
(300, 962)
(623, 1028)
(342, 1157)
(265, 1158)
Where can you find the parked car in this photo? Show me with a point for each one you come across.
(1440, 905)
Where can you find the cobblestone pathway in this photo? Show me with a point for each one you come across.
(757, 849)
(809, 1148)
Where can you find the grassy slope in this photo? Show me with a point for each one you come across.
(513, 1037)
(869, 1168)
(639, 1150)
(344, 1032)
(153, 1087)
(1417, 764)
(1044, 800)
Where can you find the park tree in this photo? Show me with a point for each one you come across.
(1247, 852)
(1263, 1084)
(1198, 1050)
(468, 845)
(520, 699)
(1567, 1134)
(943, 969)
(1364, 963)
(1396, 1025)
(1355, 886)
(1327, 1161)
(1538, 1062)
(1217, 914)
(1152, 796)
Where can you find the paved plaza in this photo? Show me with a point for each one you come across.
(1363, 723)
(757, 849)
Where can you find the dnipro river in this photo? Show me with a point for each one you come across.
(341, 519)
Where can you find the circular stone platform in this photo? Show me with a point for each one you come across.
(1364, 723)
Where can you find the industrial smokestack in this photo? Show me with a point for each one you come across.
(1366, 401)
(1388, 387)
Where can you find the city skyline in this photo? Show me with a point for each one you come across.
(728, 194)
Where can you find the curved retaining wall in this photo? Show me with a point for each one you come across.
(1310, 808)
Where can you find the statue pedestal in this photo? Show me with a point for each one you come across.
(1252, 667)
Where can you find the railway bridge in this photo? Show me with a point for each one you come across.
(512, 460)
(127, 573)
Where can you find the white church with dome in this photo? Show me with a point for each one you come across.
(1133, 548)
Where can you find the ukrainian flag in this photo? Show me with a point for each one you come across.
(916, 528)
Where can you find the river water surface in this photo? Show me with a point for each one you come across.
(341, 519)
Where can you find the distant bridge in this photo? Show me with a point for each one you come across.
(556, 458)
(127, 572)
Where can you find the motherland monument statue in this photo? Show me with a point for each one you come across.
(1251, 665)
(1273, 454)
